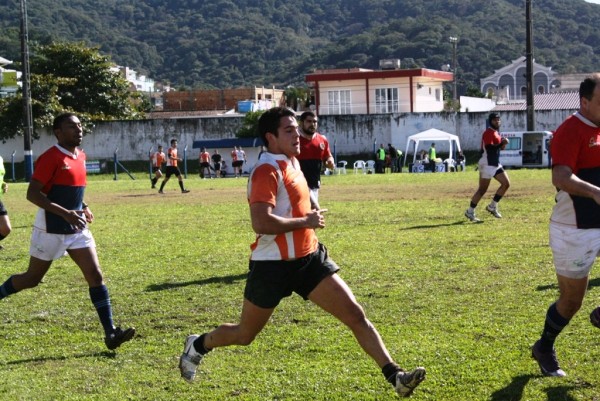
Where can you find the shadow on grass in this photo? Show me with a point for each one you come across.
(457, 223)
(103, 354)
(554, 286)
(514, 391)
(212, 280)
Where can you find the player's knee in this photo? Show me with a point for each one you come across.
(571, 306)
(5, 229)
(246, 338)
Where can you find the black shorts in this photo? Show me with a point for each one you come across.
(237, 163)
(155, 169)
(172, 170)
(204, 165)
(269, 281)
(3, 211)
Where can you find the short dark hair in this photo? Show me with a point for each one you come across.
(588, 85)
(61, 118)
(493, 116)
(269, 121)
(173, 140)
(306, 114)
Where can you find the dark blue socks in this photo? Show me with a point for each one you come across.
(101, 301)
(7, 288)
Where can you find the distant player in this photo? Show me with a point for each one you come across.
(158, 158)
(61, 225)
(204, 163)
(287, 257)
(314, 151)
(172, 168)
(490, 167)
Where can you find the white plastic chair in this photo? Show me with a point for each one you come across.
(370, 166)
(340, 168)
(360, 165)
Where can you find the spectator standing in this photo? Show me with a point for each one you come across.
(287, 257)
(61, 225)
(432, 157)
(393, 153)
(314, 151)
(173, 169)
(380, 160)
(216, 159)
(157, 159)
(399, 160)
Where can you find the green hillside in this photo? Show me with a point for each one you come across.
(227, 43)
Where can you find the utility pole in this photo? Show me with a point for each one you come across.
(529, 69)
(27, 113)
(454, 41)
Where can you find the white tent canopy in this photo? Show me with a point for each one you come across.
(432, 135)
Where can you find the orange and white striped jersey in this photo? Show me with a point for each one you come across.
(278, 181)
(172, 157)
(158, 158)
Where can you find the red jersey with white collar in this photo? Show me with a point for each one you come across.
(576, 144)
(313, 152)
(63, 176)
(491, 142)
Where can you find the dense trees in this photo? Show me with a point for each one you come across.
(71, 77)
(232, 43)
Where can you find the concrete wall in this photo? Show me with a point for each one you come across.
(347, 134)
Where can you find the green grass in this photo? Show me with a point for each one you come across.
(464, 300)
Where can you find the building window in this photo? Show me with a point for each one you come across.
(386, 100)
(339, 102)
(438, 95)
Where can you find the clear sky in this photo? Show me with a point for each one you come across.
(593, 1)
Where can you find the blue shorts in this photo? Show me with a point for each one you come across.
(269, 281)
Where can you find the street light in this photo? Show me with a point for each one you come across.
(454, 41)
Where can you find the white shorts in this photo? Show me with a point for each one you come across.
(574, 250)
(49, 247)
(488, 172)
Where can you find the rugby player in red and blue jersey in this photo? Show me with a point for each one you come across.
(57, 187)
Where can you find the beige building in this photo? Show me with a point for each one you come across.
(219, 99)
(364, 91)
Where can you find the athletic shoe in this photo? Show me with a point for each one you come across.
(160, 191)
(595, 317)
(406, 382)
(471, 216)
(118, 337)
(547, 361)
(190, 359)
(185, 191)
(494, 211)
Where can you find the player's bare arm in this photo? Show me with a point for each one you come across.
(265, 222)
(563, 178)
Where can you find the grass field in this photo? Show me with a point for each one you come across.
(464, 300)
